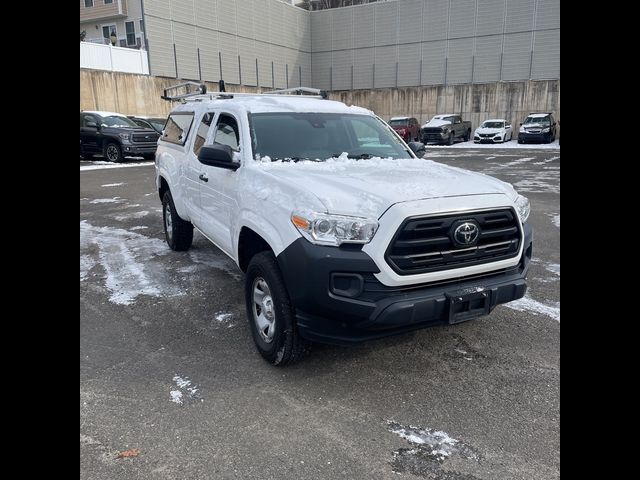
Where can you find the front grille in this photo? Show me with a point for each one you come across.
(425, 244)
(437, 130)
(145, 137)
(487, 135)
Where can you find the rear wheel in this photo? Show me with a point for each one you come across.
(467, 136)
(113, 153)
(177, 232)
(270, 313)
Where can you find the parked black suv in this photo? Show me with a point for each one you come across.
(115, 136)
(538, 128)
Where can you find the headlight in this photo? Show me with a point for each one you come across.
(522, 130)
(124, 136)
(523, 207)
(325, 229)
(545, 130)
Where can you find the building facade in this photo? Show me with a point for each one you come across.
(99, 19)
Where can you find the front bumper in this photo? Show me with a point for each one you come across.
(497, 139)
(434, 137)
(338, 299)
(133, 148)
(525, 137)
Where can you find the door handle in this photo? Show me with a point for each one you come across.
(203, 177)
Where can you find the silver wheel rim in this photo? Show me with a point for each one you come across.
(168, 222)
(264, 315)
(112, 153)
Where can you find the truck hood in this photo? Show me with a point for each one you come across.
(369, 187)
(436, 122)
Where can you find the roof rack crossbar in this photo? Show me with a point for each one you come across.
(195, 92)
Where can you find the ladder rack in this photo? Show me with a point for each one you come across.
(197, 92)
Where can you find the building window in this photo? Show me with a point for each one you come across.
(107, 30)
(130, 27)
(107, 2)
(88, 3)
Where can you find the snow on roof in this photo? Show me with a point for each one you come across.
(495, 120)
(442, 115)
(104, 114)
(398, 118)
(277, 103)
(538, 115)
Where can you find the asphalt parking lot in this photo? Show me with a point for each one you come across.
(168, 366)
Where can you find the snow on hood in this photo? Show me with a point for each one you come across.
(436, 122)
(369, 187)
(489, 130)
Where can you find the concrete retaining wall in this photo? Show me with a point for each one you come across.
(475, 102)
(140, 94)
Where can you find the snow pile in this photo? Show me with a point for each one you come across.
(528, 304)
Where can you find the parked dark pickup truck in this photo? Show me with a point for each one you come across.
(445, 129)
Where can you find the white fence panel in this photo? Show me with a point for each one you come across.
(118, 59)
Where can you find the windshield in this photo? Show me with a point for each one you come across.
(117, 121)
(537, 121)
(319, 136)
(158, 123)
(493, 125)
(399, 123)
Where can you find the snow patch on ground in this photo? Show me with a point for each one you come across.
(429, 449)
(138, 227)
(127, 260)
(556, 220)
(223, 317)
(129, 216)
(104, 165)
(113, 184)
(176, 396)
(553, 268)
(86, 263)
(107, 200)
(186, 391)
(513, 144)
(528, 304)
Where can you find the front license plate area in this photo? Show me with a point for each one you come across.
(465, 306)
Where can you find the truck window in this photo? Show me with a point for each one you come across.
(177, 128)
(202, 131)
(227, 132)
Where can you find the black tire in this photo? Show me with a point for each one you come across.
(467, 136)
(149, 156)
(113, 152)
(279, 341)
(177, 232)
(450, 141)
(520, 141)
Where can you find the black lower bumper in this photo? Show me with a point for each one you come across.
(534, 137)
(338, 299)
(139, 149)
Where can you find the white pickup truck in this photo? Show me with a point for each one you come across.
(343, 233)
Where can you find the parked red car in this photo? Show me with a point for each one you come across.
(407, 127)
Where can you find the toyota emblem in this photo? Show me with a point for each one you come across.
(466, 233)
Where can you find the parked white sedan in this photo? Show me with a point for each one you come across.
(494, 130)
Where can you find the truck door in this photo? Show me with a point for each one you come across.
(218, 184)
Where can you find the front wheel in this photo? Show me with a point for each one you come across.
(149, 156)
(270, 313)
(177, 232)
(113, 153)
(467, 136)
(450, 141)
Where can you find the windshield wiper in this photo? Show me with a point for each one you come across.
(363, 156)
(296, 159)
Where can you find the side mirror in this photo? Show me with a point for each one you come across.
(91, 124)
(520, 123)
(418, 148)
(220, 156)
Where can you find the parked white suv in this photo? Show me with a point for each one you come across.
(344, 234)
